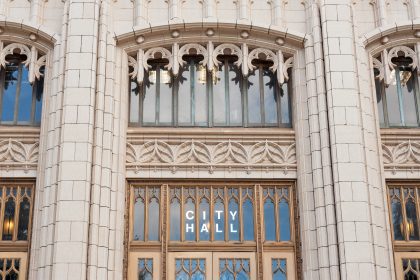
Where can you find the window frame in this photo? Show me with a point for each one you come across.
(383, 92)
(165, 246)
(34, 89)
(23, 262)
(211, 123)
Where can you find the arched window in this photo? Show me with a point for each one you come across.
(398, 93)
(20, 101)
(221, 97)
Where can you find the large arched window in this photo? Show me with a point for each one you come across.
(20, 101)
(220, 97)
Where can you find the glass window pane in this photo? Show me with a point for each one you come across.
(379, 101)
(25, 97)
(284, 217)
(392, 102)
(410, 210)
(24, 215)
(145, 269)
(219, 97)
(138, 227)
(270, 97)
(254, 102)
(134, 102)
(200, 95)
(269, 220)
(204, 220)
(279, 269)
(235, 95)
(189, 209)
(286, 114)
(39, 89)
(248, 219)
(9, 219)
(9, 92)
(165, 98)
(219, 220)
(154, 219)
(184, 96)
(233, 220)
(149, 97)
(234, 269)
(407, 80)
(396, 209)
(175, 220)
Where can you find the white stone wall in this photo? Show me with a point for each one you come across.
(84, 152)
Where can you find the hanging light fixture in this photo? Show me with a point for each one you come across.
(202, 74)
(152, 76)
(165, 78)
(8, 225)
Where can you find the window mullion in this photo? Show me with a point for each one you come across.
(261, 80)
(192, 91)
(209, 88)
(141, 92)
(17, 210)
(34, 90)
(400, 97)
(405, 232)
(2, 210)
(146, 214)
(227, 97)
(384, 105)
(157, 101)
(278, 90)
(182, 215)
(2, 83)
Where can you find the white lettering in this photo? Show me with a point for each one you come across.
(204, 215)
(231, 228)
(218, 213)
(204, 228)
(188, 216)
(217, 228)
(233, 214)
(189, 227)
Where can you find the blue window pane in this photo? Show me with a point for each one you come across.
(184, 96)
(145, 269)
(396, 210)
(284, 216)
(38, 99)
(279, 269)
(270, 97)
(410, 210)
(285, 104)
(204, 220)
(248, 219)
(219, 97)
(149, 97)
(25, 98)
(235, 95)
(138, 227)
(189, 209)
(269, 220)
(165, 96)
(9, 92)
(154, 220)
(254, 99)
(175, 220)
(200, 95)
(233, 220)
(219, 220)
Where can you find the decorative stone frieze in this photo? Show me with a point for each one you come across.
(218, 153)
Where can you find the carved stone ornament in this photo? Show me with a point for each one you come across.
(15, 154)
(380, 67)
(33, 62)
(198, 154)
(408, 52)
(210, 55)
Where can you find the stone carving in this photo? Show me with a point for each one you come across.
(33, 62)
(223, 154)
(210, 54)
(380, 67)
(14, 154)
(408, 52)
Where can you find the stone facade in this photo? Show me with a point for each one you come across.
(84, 152)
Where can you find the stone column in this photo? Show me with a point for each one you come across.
(359, 200)
(73, 194)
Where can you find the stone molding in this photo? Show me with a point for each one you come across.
(401, 150)
(211, 152)
(18, 151)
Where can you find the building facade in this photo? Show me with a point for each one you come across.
(209, 139)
